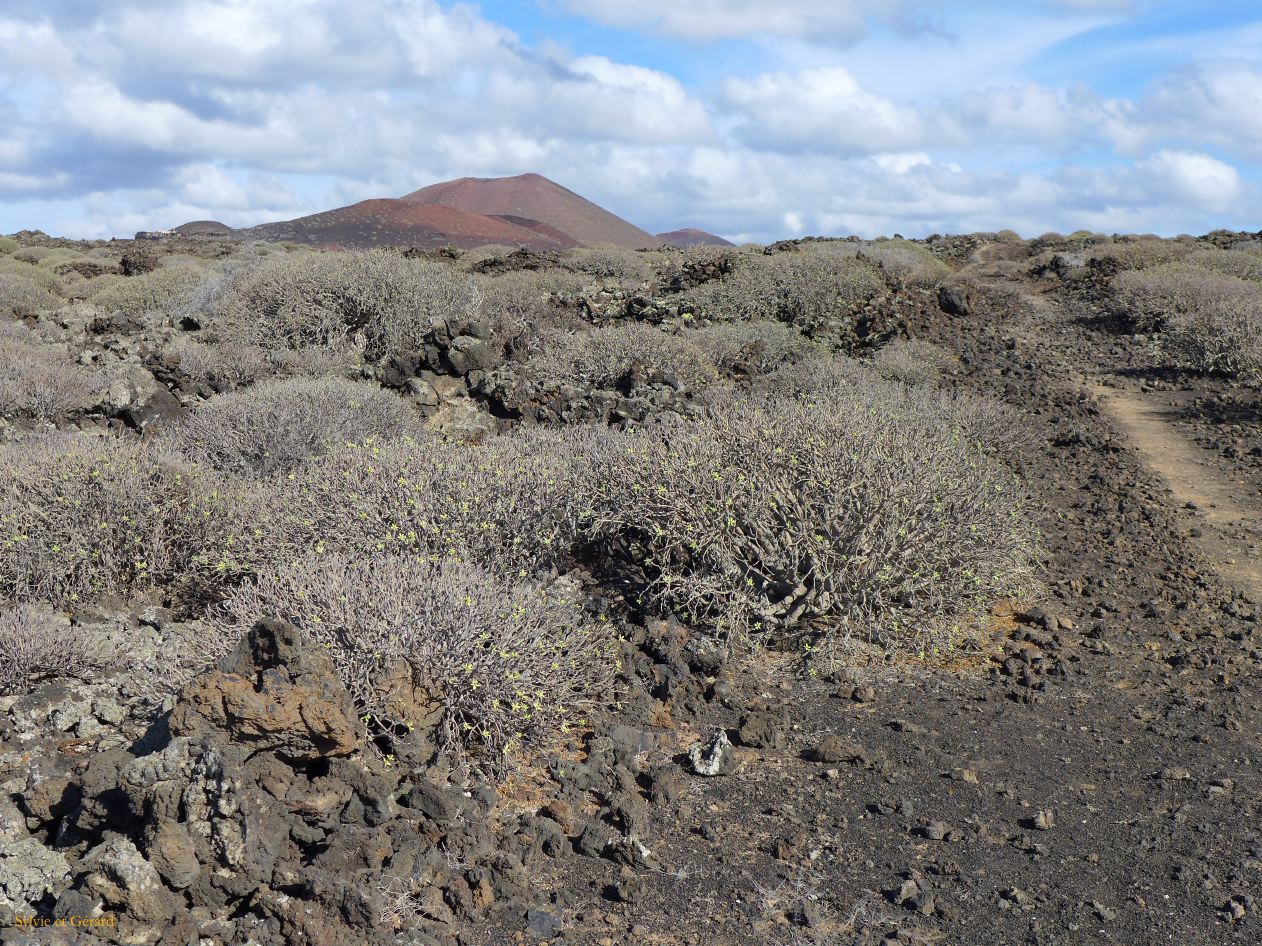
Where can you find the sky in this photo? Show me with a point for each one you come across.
(754, 119)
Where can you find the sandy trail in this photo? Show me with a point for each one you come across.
(1232, 519)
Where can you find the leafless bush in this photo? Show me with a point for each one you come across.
(82, 518)
(21, 296)
(511, 663)
(327, 300)
(8, 245)
(872, 510)
(273, 427)
(1228, 263)
(160, 291)
(225, 366)
(41, 382)
(1145, 253)
(37, 644)
(606, 357)
(611, 262)
(906, 263)
(912, 361)
(46, 279)
(1147, 300)
(804, 288)
(515, 502)
(519, 304)
(752, 347)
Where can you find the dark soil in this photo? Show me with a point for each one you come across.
(1095, 781)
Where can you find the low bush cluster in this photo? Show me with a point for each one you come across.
(40, 382)
(752, 347)
(36, 644)
(85, 518)
(274, 427)
(159, 292)
(607, 358)
(911, 361)
(804, 287)
(512, 663)
(615, 263)
(375, 300)
(869, 507)
(22, 297)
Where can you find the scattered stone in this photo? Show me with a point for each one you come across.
(713, 756)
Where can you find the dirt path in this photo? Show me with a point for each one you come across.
(1232, 531)
(1227, 511)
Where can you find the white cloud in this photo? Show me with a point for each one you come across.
(706, 20)
(821, 109)
(1190, 177)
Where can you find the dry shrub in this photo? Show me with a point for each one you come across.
(1145, 253)
(912, 361)
(41, 382)
(515, 502)
(46, 279)
(906, 263)
(518, 303)
(803, 287)
(1148, 300)
(160, 291)
(275, 426)
(36, 644)
(225, 366)
(82, 518)
(616, 263)
(1228, 263)
(752, 347)
(8, 245)
(607, 357)
(869, 508)
(329, 300)
(23, 297)
(31, 254)
(511, 663)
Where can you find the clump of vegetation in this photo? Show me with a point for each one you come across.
(36, 644)
(615, 263)
(375, 300)
(46, 279)
(515, 502)
(160, 291)
(752, 347)
(22, 297)
(510, 663)
(866, 508)
(82, 518)
(609, 357)
(803, 287)
(8, 245)
(41, 382)
(275, 426)
(906, 263)
(912, 361)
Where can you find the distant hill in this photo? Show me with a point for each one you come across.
(390, 222)
(532, 197)
(690, 236)
(208, 228)
(527, 210)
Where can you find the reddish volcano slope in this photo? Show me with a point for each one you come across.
(534, 197)
(691, 236)
(386, 222)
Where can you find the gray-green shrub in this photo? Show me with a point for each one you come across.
(752, 347)
(160, 291)
(40, 382)
(273, 427)
(22, 296)
(604, 357)
(867, 508)
(82, 518)
(37, 644)
(329, 300)
(912, 361)
(511, 663)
